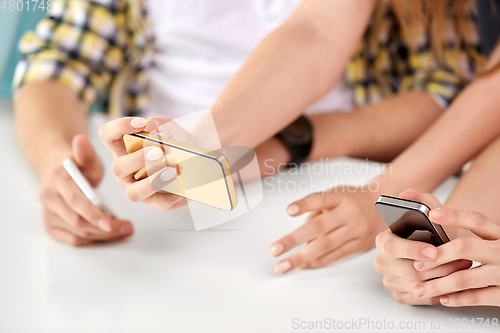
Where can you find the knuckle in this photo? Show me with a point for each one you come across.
(132, 195)
(322, 198)
(55, 174)
(342, 252)
(380, 240)
(85, 234)
(316, 226)
(325, 245)
(413, 274)
(389, 246)
(115, 170)
(160, 206)
(75, 241)
(44, 195)
(397, 296)
(462, 280)
(378, 264)
(387, 281)
(73, 220)
(288, 241)
(71, 198)
(461, 245)
(477, 219)
(355, 209)
(315, 263)
(429, 301)
(472, 298)
(79, 223)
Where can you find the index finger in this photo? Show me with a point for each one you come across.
(427, 198)
(112, 132)
(473, 221)
(314, 227)
(397, 247)
(79, 203)
(315, 201)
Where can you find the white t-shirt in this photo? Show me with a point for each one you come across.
(201, 44)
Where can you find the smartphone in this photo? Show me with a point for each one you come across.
(87, 189)
(409, 219)
(202, 175)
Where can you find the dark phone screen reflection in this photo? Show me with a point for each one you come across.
(409, 224)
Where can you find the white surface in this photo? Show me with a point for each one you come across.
(200, 45)
(168, 278)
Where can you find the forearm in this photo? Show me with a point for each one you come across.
(290, 69)
(465, 128)
(479, 187)
(378, 132)
(47, 117)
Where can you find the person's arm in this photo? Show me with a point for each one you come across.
(290, 69)
(44, 127)
(347, 222)
(54, 82)
(378, 132)
(49, 124)
(465, 129)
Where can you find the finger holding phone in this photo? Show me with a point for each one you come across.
(69, 216)
(125, 166)
(476, 286)
(397, 257)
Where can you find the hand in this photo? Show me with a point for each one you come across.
(397, 256)
(69, 216)
(340, 223)
(473, 287)
(126, 165)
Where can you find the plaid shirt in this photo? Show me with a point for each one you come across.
(100, 49)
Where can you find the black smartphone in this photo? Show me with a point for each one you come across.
(409, 219)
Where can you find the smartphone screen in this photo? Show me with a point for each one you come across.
(410, 223)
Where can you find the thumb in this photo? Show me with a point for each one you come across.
(86, 159)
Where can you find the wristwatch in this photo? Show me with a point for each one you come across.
(297, 138)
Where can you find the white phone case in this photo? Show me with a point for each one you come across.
(91, 193)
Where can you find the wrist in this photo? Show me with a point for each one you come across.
(297, 139)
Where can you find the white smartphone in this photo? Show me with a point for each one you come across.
(87, 189)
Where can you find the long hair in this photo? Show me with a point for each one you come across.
(435, 15)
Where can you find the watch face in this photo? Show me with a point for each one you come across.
(299, 132)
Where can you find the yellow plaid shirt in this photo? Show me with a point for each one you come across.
(100, 50)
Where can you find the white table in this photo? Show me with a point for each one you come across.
(169, 278)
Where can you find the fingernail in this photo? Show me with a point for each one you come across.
(126, 229)
(444, 300)
(419, 290)
(168, 174)
(155, 153)
(419, 264)
(429, 252)
(282, 267)
(138, 122)
(436, 214)
(293, 209)
(276, 249)
(104, 225)
(407, 191)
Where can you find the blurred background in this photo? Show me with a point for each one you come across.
(12, 25)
